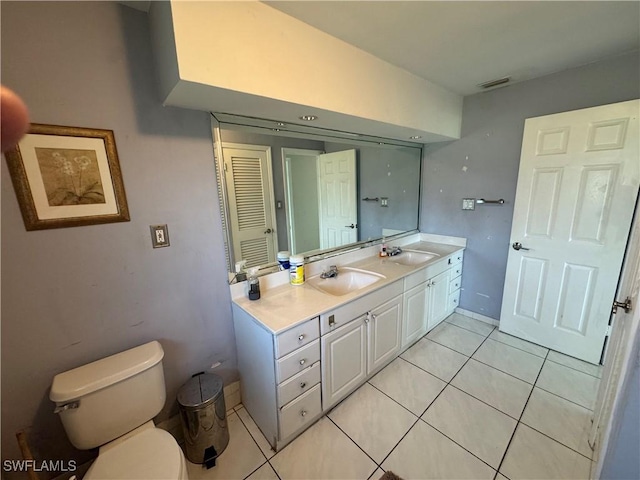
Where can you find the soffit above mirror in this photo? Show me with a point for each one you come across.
(253, 60)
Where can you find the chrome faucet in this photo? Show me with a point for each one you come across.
(393, 251)
(331, 273)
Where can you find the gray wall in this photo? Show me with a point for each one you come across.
(492, 127)
(73, 295)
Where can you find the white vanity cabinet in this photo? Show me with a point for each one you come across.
(291, 378)
(430, 295)
(358, 339)
(280, 375)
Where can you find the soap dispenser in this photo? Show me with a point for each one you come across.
(253, 283)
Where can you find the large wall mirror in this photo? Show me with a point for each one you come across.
(307, 190)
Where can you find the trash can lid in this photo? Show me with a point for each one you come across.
(200, 390)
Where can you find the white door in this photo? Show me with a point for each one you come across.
(414, 323)
(251, 213)
(577, 187)
(337, 197)
(618, 360)
(385, 333)
(344, 361)
(438, 299)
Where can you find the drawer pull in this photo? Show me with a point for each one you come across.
(301, 337)
(303, 384)
(303, 413)
(303, 361)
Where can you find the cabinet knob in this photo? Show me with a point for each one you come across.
(303, 413)
(301, 337)
(303, 361)
(303, 384)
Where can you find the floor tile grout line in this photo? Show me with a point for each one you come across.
(253, 438)
(432, 402)
(257, 445)
(522, 349)
(504, 455)
(461, 328)
(354, 442)
(575, 369)
(554, 439)
(507, 373)
(468, 329)
(560, 396)
(461, 446)
(421, 369)
(400, 441)
(424, 337)
(390, 398)
(482, 401)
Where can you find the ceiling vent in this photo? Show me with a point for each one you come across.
(494, 83)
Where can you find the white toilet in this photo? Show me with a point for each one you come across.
(110, 403)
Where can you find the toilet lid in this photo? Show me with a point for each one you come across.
(153, 454)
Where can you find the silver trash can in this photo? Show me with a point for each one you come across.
(204, 418)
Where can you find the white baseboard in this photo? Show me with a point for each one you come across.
(477, 316)
(231, 399)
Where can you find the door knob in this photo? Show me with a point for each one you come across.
(350, 226)
(518, 246)
(268, 230)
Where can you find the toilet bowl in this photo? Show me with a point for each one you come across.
(110, 404)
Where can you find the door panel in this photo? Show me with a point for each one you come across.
(337, 198)
(344, 361)
(577, 187)
(251, 213)
(385, 330)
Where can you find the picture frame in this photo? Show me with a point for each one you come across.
(67, 177)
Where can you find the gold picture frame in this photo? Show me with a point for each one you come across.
(67, 177)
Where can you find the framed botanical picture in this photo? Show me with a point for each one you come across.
(67, 177)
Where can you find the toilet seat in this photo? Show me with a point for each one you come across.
(152, 454)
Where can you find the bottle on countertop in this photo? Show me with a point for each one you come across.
(283, 260)
(383, 248)
(253, 283)
(296, 269)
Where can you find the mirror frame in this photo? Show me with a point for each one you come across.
(274, 127)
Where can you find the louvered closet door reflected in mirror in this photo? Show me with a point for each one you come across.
(251, 205)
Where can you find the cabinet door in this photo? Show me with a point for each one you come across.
(438, 299)
(344, 361)
(414, 315)
(385, 331)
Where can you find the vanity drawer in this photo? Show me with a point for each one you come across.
(455, 284)
(298, 384)
(456, 258)
(454, 300)
(298, 336)
(297, 361)
(299, 413)
(456, 271)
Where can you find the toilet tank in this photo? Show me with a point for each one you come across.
(103, 400)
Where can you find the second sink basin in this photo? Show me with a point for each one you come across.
(412, 258)
(348, 280)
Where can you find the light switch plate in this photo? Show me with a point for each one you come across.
(159, 236)
(384, 201)
(468, 203)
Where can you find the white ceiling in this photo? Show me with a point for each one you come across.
(460, 44)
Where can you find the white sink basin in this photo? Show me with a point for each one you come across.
(412, 258)
(348, 280)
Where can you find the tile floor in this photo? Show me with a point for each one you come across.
(466, 401)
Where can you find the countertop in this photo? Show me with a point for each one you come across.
(285, 306)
